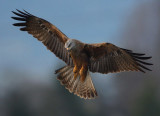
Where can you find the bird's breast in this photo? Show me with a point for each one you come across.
(79, 58)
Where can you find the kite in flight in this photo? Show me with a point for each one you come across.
(80, 58)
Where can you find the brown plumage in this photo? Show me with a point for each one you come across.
(80, 57)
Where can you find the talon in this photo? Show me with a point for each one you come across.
(83, 74)
(75, 70)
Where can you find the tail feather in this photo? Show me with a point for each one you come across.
(84, 89)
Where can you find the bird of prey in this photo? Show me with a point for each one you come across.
(80, 58)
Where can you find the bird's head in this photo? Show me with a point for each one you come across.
(70, 44)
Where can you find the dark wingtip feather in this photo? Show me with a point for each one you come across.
(138, 54)
(141, 70)
(22, 12)
(146, 63)
(126, 50)
(27, 12)
(142, 58)
(13, 18)
(19, 19)
(14, 24)
(19, 24)
(139, 57)
(19, 14)
(23, 29)
(12, 12)
(144, 67)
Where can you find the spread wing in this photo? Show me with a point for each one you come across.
(45, 32)
(108, 58)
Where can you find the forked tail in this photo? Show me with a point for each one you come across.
(84, 89)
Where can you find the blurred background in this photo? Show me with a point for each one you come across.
(28, 85)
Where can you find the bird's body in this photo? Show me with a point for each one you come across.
(81, 58)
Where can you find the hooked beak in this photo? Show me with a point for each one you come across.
(68, 49)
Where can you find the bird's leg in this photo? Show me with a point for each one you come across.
(83, 72)
(76, 72)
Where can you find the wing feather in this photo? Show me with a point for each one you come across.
(108, 58)
(45, 32)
